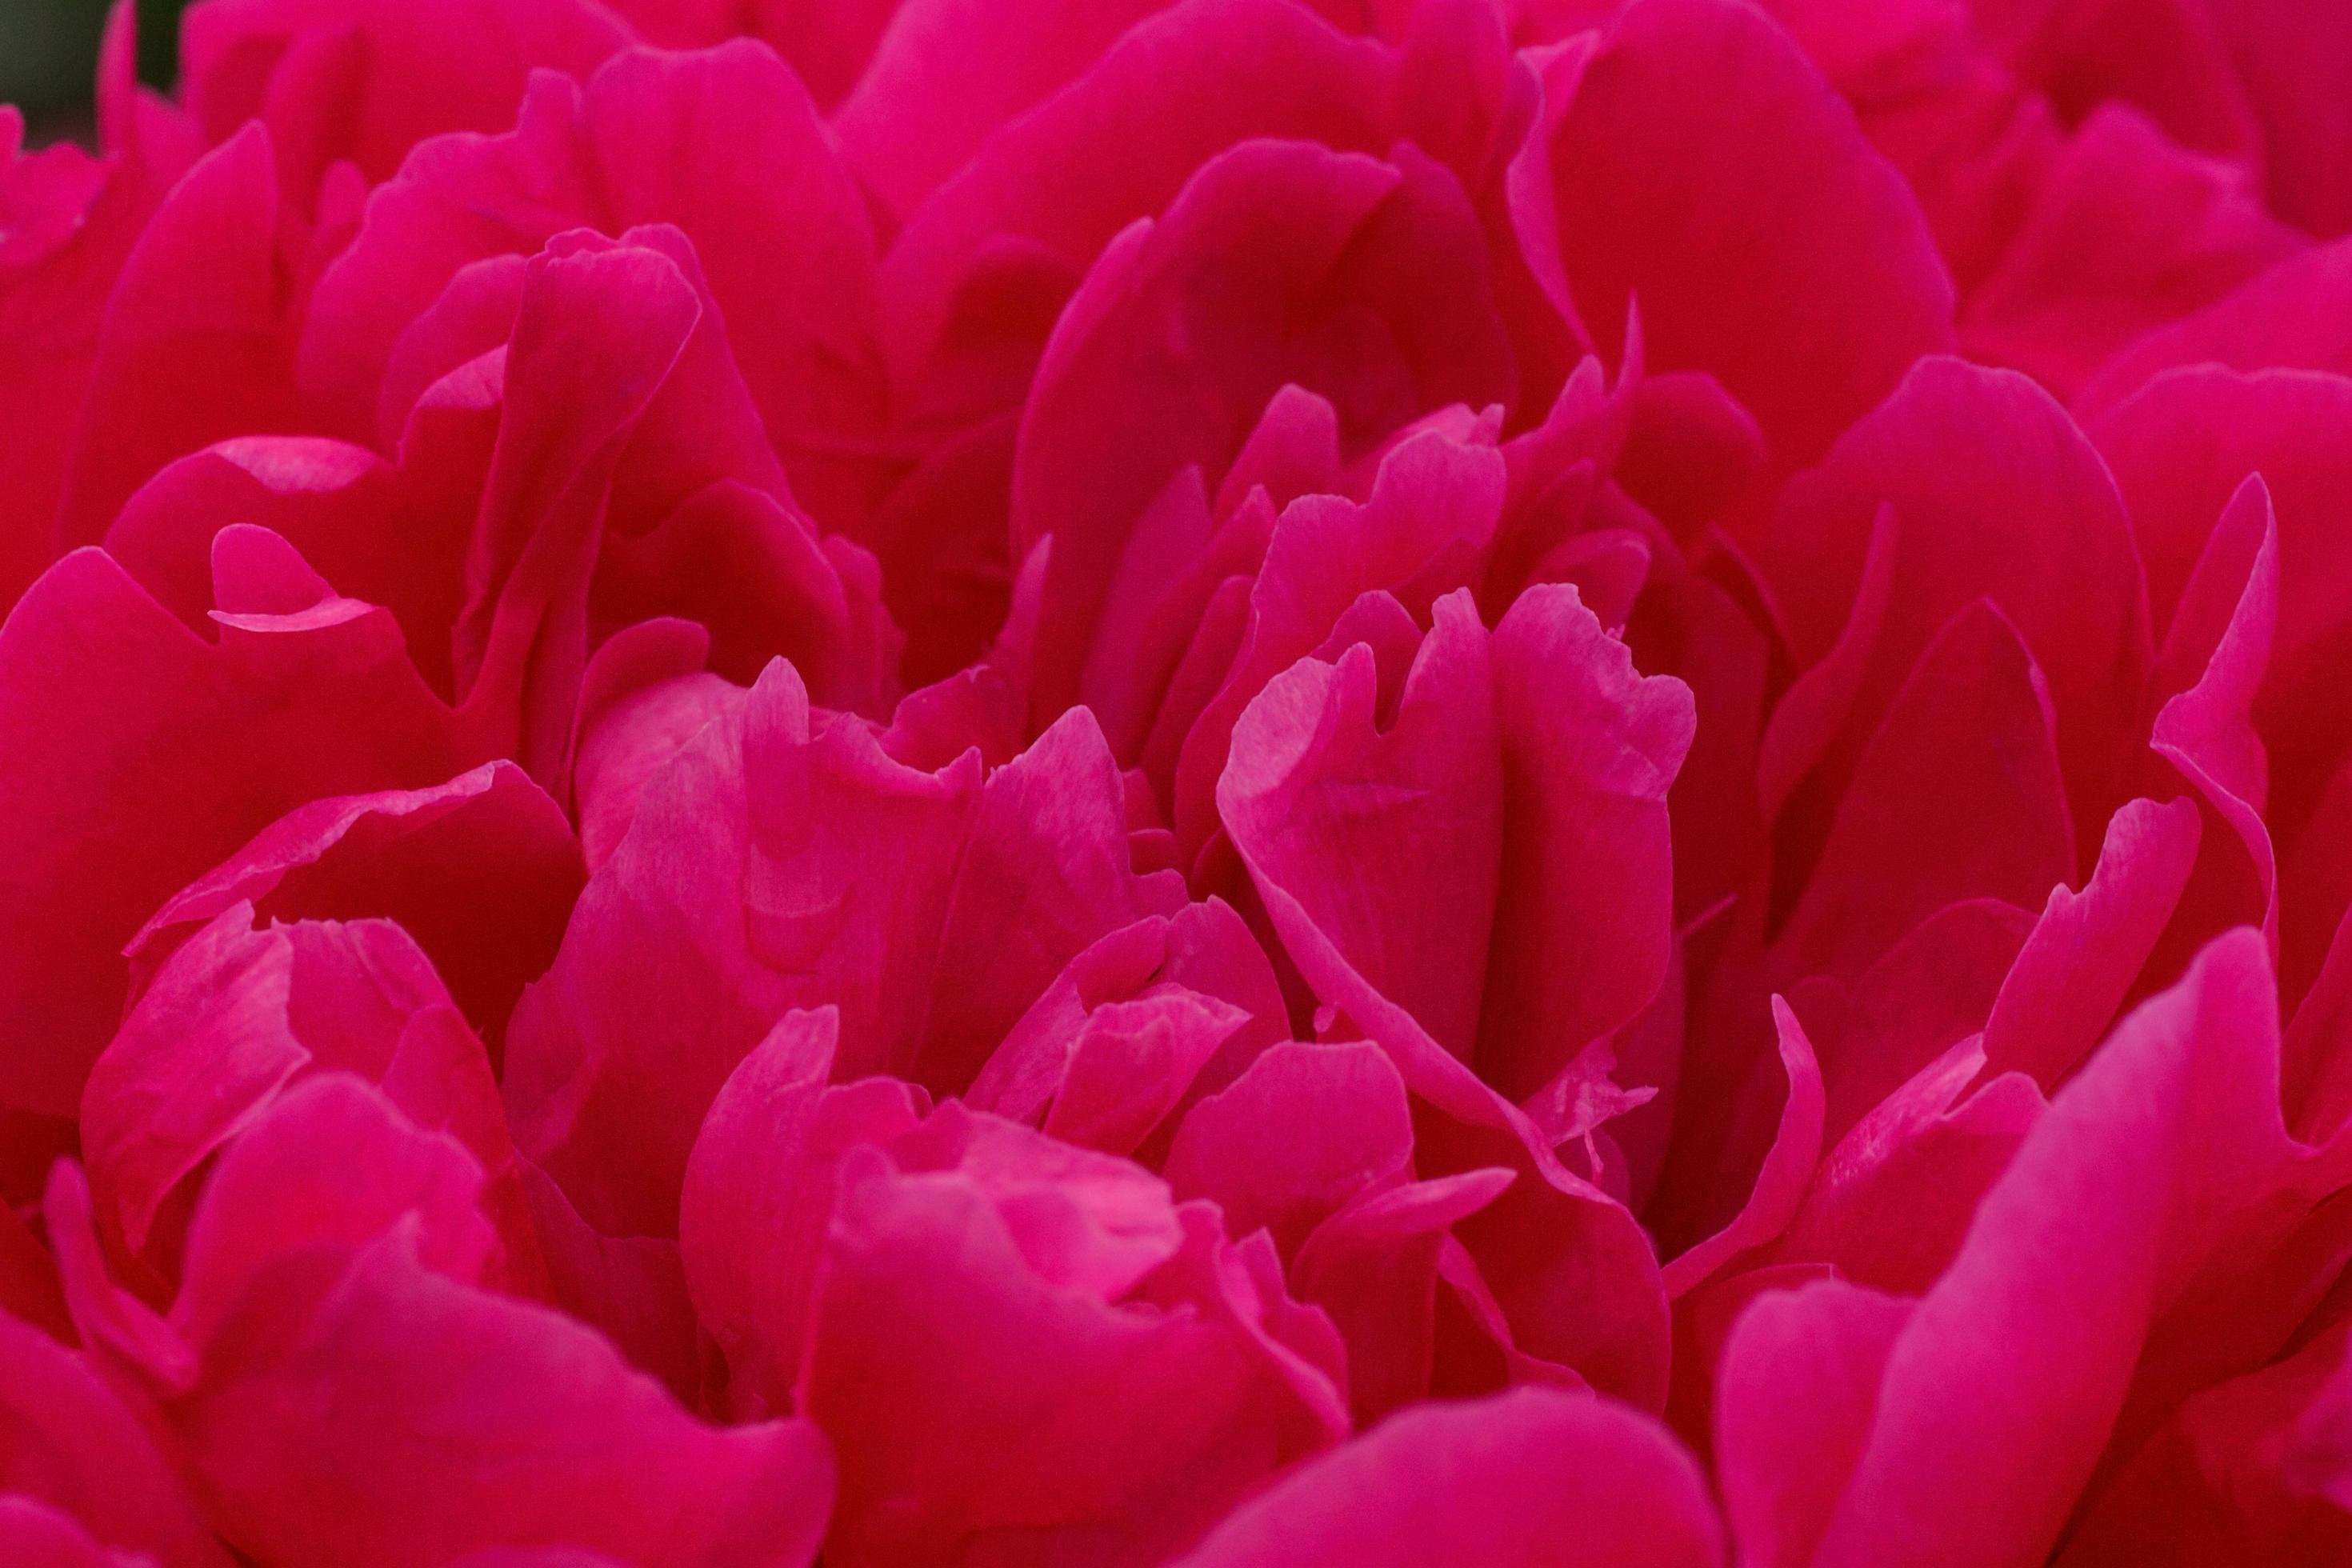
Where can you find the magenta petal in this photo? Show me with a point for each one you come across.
(137, 755)
(2010, 1374)
(1794, 1410)
(1052, 189)
(1160, 782)
(1552, 1239)
(2250, 1470)
(1435, 505)
(1304, 1130)
(1993, 493)
(1891, 1202)
(2288, 60)
(1528, 1476)
(2207, 731)
(360, 520)
(1390, 833)
(606, 1124)
(1374, 1268)
(978, 1407)
(84, 1463)
(1787, 1166)
(495, 1423)
(236, 1015)
(1989, 783)
(628, 733)
(510, 193)
(759, 1195)
(2288, 316)
(1132, 1062)
(2088, 946)
(196, 337)
(2129, 231)
(1583, 912)
(1046, 870)
(948, 72)
(783, 858)
(724, 145)
(37, 1536)
(2180, 450)
(1935, 987)
(433, 66)
(481, 871)
(331, 1164)
(1330, 241)
(1805, 231)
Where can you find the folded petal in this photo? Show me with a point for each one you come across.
(137, 755)
(2007, 1378)
(481, 871)
(979, 1407)
(783, 858)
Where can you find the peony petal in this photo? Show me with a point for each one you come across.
(2250, 1470)
(1786, 1171)
(977, 1408)
(1374, 1268)
(1304, 1132)
(2127, 231)
(1329, 241)
(83, 1459)
(1433, 506)
(329, 1164)
(1528, 1476)
(1584, 909)
(1615, 1330)
(1805, 235)
(481, 871)
(195, 342)
(2207, 731)
(1794, 1410)
(2286, 317)
(428, 66)
(493, 1423)
(782, 858)
(1041, 198)
(1351, 813)
(1995, 494)
(137, 755)
(2088, 946)
(946, 73)
(1927, 765)
(2289, 60)
(758, 1194)
(2119, 1193)
(1891, 1203)
(2180, 450)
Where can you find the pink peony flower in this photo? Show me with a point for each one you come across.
(1497, 782)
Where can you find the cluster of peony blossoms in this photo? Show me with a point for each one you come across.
(1089, 782)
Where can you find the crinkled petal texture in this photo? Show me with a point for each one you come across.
(1172, 783)
(785, 858)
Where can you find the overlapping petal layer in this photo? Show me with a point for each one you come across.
(1499, 782)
